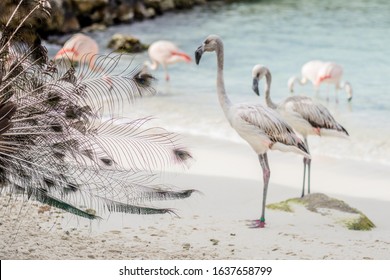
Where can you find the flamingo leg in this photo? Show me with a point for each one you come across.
(263, 158)
(166, 72)
(327, 92)
(306, 162)
(304, 176)
(308, 175)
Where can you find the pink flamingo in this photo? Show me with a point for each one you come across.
(319, 72)
(164, 53)
(80, 48)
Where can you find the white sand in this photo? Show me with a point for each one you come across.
(213, 224)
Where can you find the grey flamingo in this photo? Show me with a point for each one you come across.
(305, 116)
(260, 126)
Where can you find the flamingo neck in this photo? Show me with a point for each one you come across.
(302, 81)
(222, 96)
(348, 89)
(152, 66)
(267, 90)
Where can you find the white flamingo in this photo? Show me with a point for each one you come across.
(260, 126)
(165, 53)
(80, 48)
(305, 116)
(319, 72)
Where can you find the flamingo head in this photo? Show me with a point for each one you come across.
(348, 90)
(258, 72)
(211, 44)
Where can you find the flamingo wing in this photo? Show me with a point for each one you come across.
(310, 70)
(317, 115)
(161, 50)
(266, 121)
(329, 72)
(78, 47)
(177, 56)
(165, 52)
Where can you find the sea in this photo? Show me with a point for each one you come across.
(282, 35)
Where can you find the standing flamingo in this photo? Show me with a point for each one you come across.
(305, 116)
(80, 48)
(260, 126)
(164, 53)
(318, 72)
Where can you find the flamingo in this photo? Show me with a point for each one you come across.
(165, 53)
(318, 72)
(83, 49)
(80, 48)
(305, 116)
(260, 126)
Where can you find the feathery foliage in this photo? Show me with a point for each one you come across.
(54, 145)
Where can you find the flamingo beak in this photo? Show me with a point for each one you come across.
(198, 54)
(255, 86)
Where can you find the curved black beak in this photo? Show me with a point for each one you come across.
(349, 99)
(198, 54)
(255, 86)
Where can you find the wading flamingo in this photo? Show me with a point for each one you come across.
(319, 72)
(165, 53)
(260, 126)
(82, 49)
(79, 48)
(305, 116)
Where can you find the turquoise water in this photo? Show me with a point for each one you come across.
(282, 35)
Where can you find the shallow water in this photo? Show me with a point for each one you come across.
(282, 35)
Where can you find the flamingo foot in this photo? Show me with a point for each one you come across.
(257, 224)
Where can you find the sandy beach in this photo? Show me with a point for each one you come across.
(212, 224)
